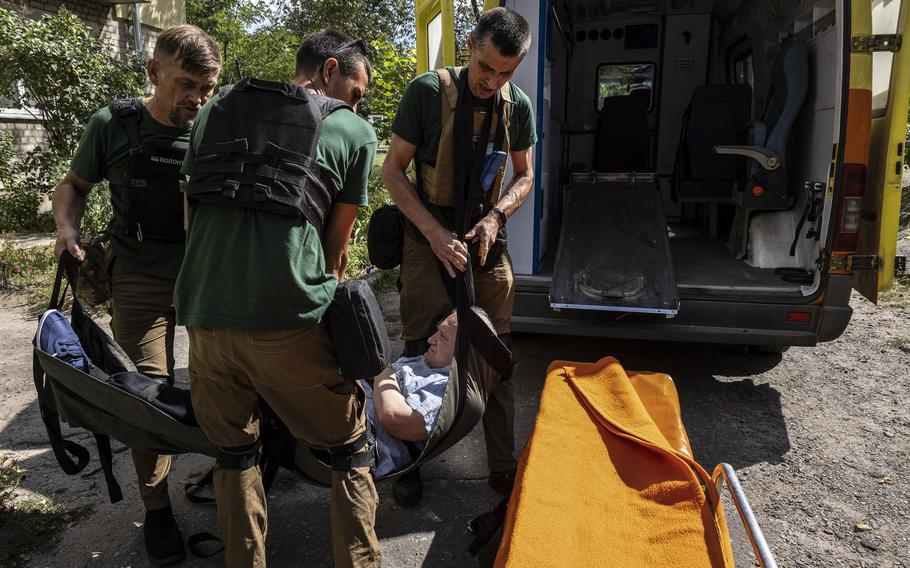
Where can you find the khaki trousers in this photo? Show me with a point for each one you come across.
(143, 324)
(296, 374)
(424, 302)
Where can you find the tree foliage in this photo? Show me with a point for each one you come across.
(55, 65)
(393, 67)
(391, 21)
(57, 70)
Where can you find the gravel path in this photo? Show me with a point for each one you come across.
(820, 437)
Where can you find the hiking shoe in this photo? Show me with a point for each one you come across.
(56, 337)
(163, 541)
(502, 481)
(408, 489)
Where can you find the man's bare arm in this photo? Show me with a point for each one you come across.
(68, 205)
(511, 199)
(399, 419)
(450, 251)
(521, 184)
(338, 237)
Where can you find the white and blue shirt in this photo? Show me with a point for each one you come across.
(423, 388)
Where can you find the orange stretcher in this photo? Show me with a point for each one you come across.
(608, 479)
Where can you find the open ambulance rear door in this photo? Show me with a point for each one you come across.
(877, 212)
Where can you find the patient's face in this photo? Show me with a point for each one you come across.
(442, 343)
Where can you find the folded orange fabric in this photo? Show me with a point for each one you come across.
(607, 478)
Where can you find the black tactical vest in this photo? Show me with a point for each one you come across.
(148, 205)
(259, 150)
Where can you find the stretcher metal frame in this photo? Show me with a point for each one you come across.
(725, 474)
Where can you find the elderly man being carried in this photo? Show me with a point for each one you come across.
(404, 401)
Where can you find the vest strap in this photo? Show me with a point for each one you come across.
(129, 115)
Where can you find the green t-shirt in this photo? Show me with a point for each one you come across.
(419, 118)
(103, 153)
(419, 121)
(255, 270)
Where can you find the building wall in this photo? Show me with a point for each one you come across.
(113, 24)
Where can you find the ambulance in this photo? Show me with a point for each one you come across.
(706, 170)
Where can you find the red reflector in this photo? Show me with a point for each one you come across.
(799, 317)
(849, 207)
(758, 191)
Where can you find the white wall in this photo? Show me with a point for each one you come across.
(521, 224)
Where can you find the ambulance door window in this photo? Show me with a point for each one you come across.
(434, 42)
(624, 80)
(885, 17)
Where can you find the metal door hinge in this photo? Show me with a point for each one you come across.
(900, 265)
(880, 42)
(853, 263)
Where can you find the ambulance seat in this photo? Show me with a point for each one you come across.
(714, 117)
(764, 183)
(622, 141)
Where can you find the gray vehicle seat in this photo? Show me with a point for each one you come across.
(715, 115)
(763, 184)
(622, 142)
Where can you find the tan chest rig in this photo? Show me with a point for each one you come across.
(437, 182)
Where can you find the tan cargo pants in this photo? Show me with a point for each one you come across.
(295, 372)
(424, 302)
(143, 324)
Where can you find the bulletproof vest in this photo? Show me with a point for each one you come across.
(437, 181)
(148, 204)
(259, 150)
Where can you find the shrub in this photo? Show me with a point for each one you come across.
(55, 65)
(59, 71)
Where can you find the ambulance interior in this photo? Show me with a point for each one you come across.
(687, 148)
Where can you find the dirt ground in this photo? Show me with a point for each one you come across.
(820, 437)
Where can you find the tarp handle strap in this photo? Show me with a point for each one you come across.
(66, 265)
(277, 442)
(61, 447)
(106, 456)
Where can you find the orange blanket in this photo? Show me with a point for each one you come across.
(607, 478)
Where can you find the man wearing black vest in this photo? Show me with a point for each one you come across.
(138, 145)
(433, 129)
(277, 173)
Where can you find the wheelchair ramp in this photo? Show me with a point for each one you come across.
(613, 250)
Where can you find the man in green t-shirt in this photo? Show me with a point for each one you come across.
(138, 145)
(425, 131)
(257, 279)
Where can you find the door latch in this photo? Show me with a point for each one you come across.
(853, 263)
(880, 42)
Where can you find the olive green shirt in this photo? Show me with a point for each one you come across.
(419, 122)
(256, 270)
(103, 153)
(419, 118)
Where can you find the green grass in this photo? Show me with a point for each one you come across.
(899, 294)
(899, 342)
(28, 524)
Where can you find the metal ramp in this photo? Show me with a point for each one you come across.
(613, 250)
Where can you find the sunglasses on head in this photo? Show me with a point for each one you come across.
(357, 43)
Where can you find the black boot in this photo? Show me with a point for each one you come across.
(408, 489)
(502, 481)
(163, 541)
